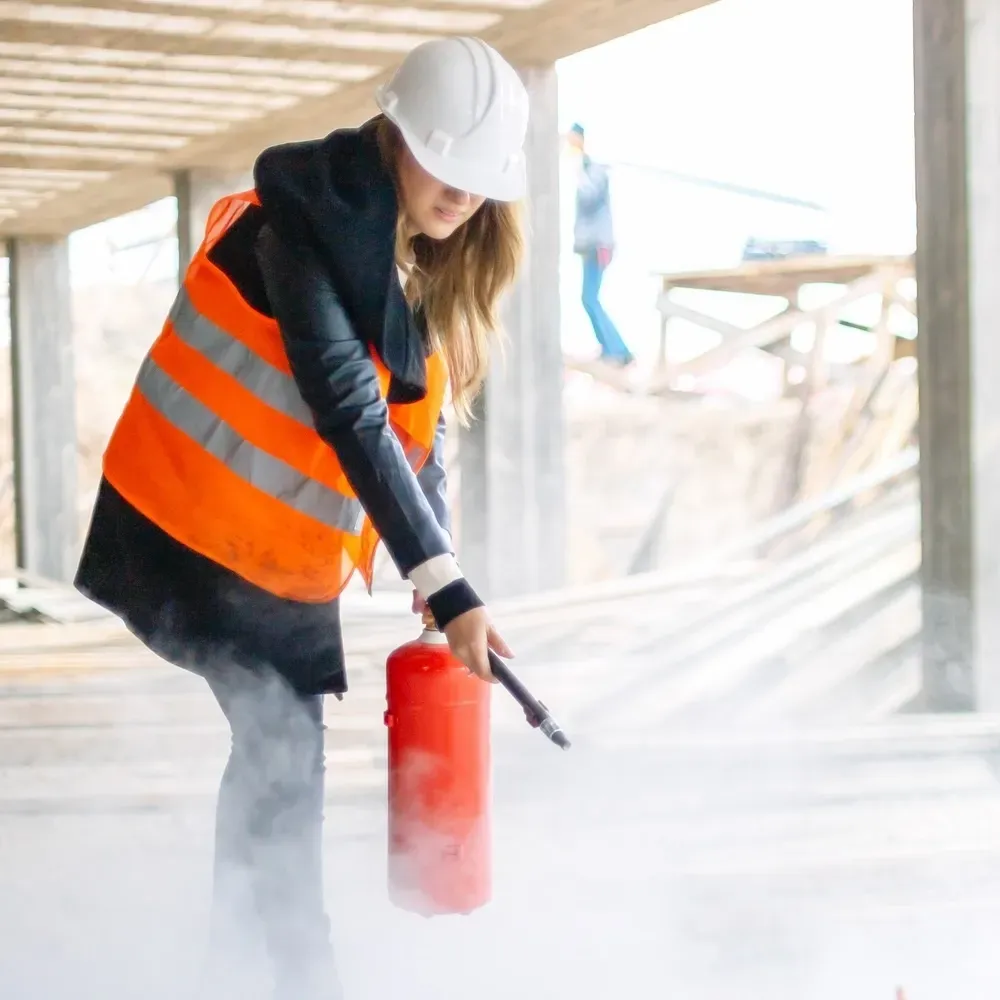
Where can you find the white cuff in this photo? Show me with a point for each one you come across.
(431, 576)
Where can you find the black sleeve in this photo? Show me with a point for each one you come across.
(433, 479)
(336, 376)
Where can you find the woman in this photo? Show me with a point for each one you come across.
(286, 420)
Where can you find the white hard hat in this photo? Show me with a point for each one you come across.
(463, 113)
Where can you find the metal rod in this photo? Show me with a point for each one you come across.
(718, 185)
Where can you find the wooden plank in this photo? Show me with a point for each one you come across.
(621, 379)
(259, 96)
(781, 277)
(162, 31)
(51, 178)
(355, 15)
(777, 328)
(670, 309)
(59, 58)
(141, 124)
(40, 137)
(846, 459)
(823, 670)
(700, 665)
(714, 565)
(114, 103)
(529, 34)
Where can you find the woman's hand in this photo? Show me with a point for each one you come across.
(470, 636)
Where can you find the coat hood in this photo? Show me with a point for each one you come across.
(337, 196)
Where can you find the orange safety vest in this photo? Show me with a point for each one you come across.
(217, 447)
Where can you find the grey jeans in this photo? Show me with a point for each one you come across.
(268, 877)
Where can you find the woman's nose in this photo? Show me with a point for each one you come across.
(458, 197)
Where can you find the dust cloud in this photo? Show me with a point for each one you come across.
(717, 865)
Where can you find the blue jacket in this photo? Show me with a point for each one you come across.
(593, 229)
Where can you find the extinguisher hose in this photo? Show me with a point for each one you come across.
(537, 714)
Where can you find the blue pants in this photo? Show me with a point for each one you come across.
(612, 346)
(268, 847)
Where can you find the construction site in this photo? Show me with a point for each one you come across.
(765, 623)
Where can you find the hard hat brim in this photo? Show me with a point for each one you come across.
(506, 185)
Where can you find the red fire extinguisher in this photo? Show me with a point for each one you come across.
(438, 721)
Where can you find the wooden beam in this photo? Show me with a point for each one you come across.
(784, 277)
(129, 186)
(601, 371)
(674, 310)
(140, 124)
(167, 77)
(250, 103)
(779, 327)
(31, 154)
(43, 136)
(127, 192)
(170, 32)
(561, 28)
(50, 178)
(109, 105)
(22, 199)
(569, 26)
(57, 55)
(50, 54)
(451, 19)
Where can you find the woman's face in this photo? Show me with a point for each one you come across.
(432, 208)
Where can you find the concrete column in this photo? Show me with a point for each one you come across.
(44, 407)
(513, 538)
(197, 191)
(957, 105)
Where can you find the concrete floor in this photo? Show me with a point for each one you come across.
(685, 849)
(620, 872)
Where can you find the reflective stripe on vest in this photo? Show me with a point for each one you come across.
(265, 381)
(217, 446)
(265, 472)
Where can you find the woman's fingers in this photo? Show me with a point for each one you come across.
(497, 644)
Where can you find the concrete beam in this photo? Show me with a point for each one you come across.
(511, 460)
(196, 192)
(44, 407)
(957, 105)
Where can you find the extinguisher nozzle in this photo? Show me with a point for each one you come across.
(551, 729)
(534, 711)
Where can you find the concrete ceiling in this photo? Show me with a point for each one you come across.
(100, 100)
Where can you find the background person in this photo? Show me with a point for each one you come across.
(594, 241)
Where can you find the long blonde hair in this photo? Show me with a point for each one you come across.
(458, 282)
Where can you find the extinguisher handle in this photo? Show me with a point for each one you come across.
(535, 712)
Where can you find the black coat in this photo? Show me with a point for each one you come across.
(318, 257)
